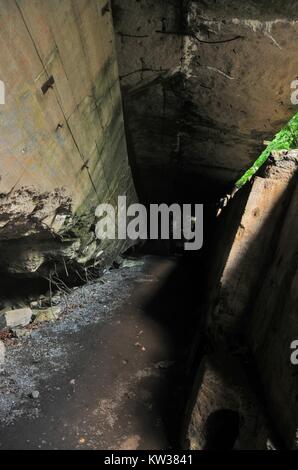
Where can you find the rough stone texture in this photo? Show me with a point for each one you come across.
(248, 256)
(274, 325)
(26, 212)
(19, 317)
(221, 385)
(204, 111)
(252, 300)
(282, 165)
(250, 250)
(64, 151)
(49, 314)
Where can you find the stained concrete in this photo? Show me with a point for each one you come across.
(273, 326)
(206, 98)
(67, 139)
(250, 249)
(251, 311)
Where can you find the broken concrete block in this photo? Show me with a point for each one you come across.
(19, 317)
(47, 315)
(2, 355)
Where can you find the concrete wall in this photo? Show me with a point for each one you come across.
(219, 84)
(251, 311)
(148, 61)
(274, 326)
(64, 151)
(221, 384)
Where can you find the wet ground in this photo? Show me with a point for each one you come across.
(110, 372)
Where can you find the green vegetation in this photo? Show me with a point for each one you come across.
(286, 139)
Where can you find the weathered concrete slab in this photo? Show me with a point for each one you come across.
(70, 138)
(274, 326)
(250, 250)
(18, 317)
(254, 300)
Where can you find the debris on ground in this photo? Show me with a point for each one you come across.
(85, 370)
(20, 332)
(6, 335)
(36, 349)
(35, 394)
(47, 315)
(18, 317)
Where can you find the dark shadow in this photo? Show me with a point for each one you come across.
(222, 430)
(177, 306)
(181, 305)
(256, 267)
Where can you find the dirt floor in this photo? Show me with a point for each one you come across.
(108, 373)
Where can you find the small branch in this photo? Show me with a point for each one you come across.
(65, 267)
(215, 69)
(80, 277)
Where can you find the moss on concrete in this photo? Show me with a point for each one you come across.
(286, 139)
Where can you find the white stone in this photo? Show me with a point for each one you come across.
(19, 317)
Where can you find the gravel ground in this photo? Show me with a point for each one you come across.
(43, 352)
(100, 377)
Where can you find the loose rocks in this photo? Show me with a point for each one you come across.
(19, 317)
